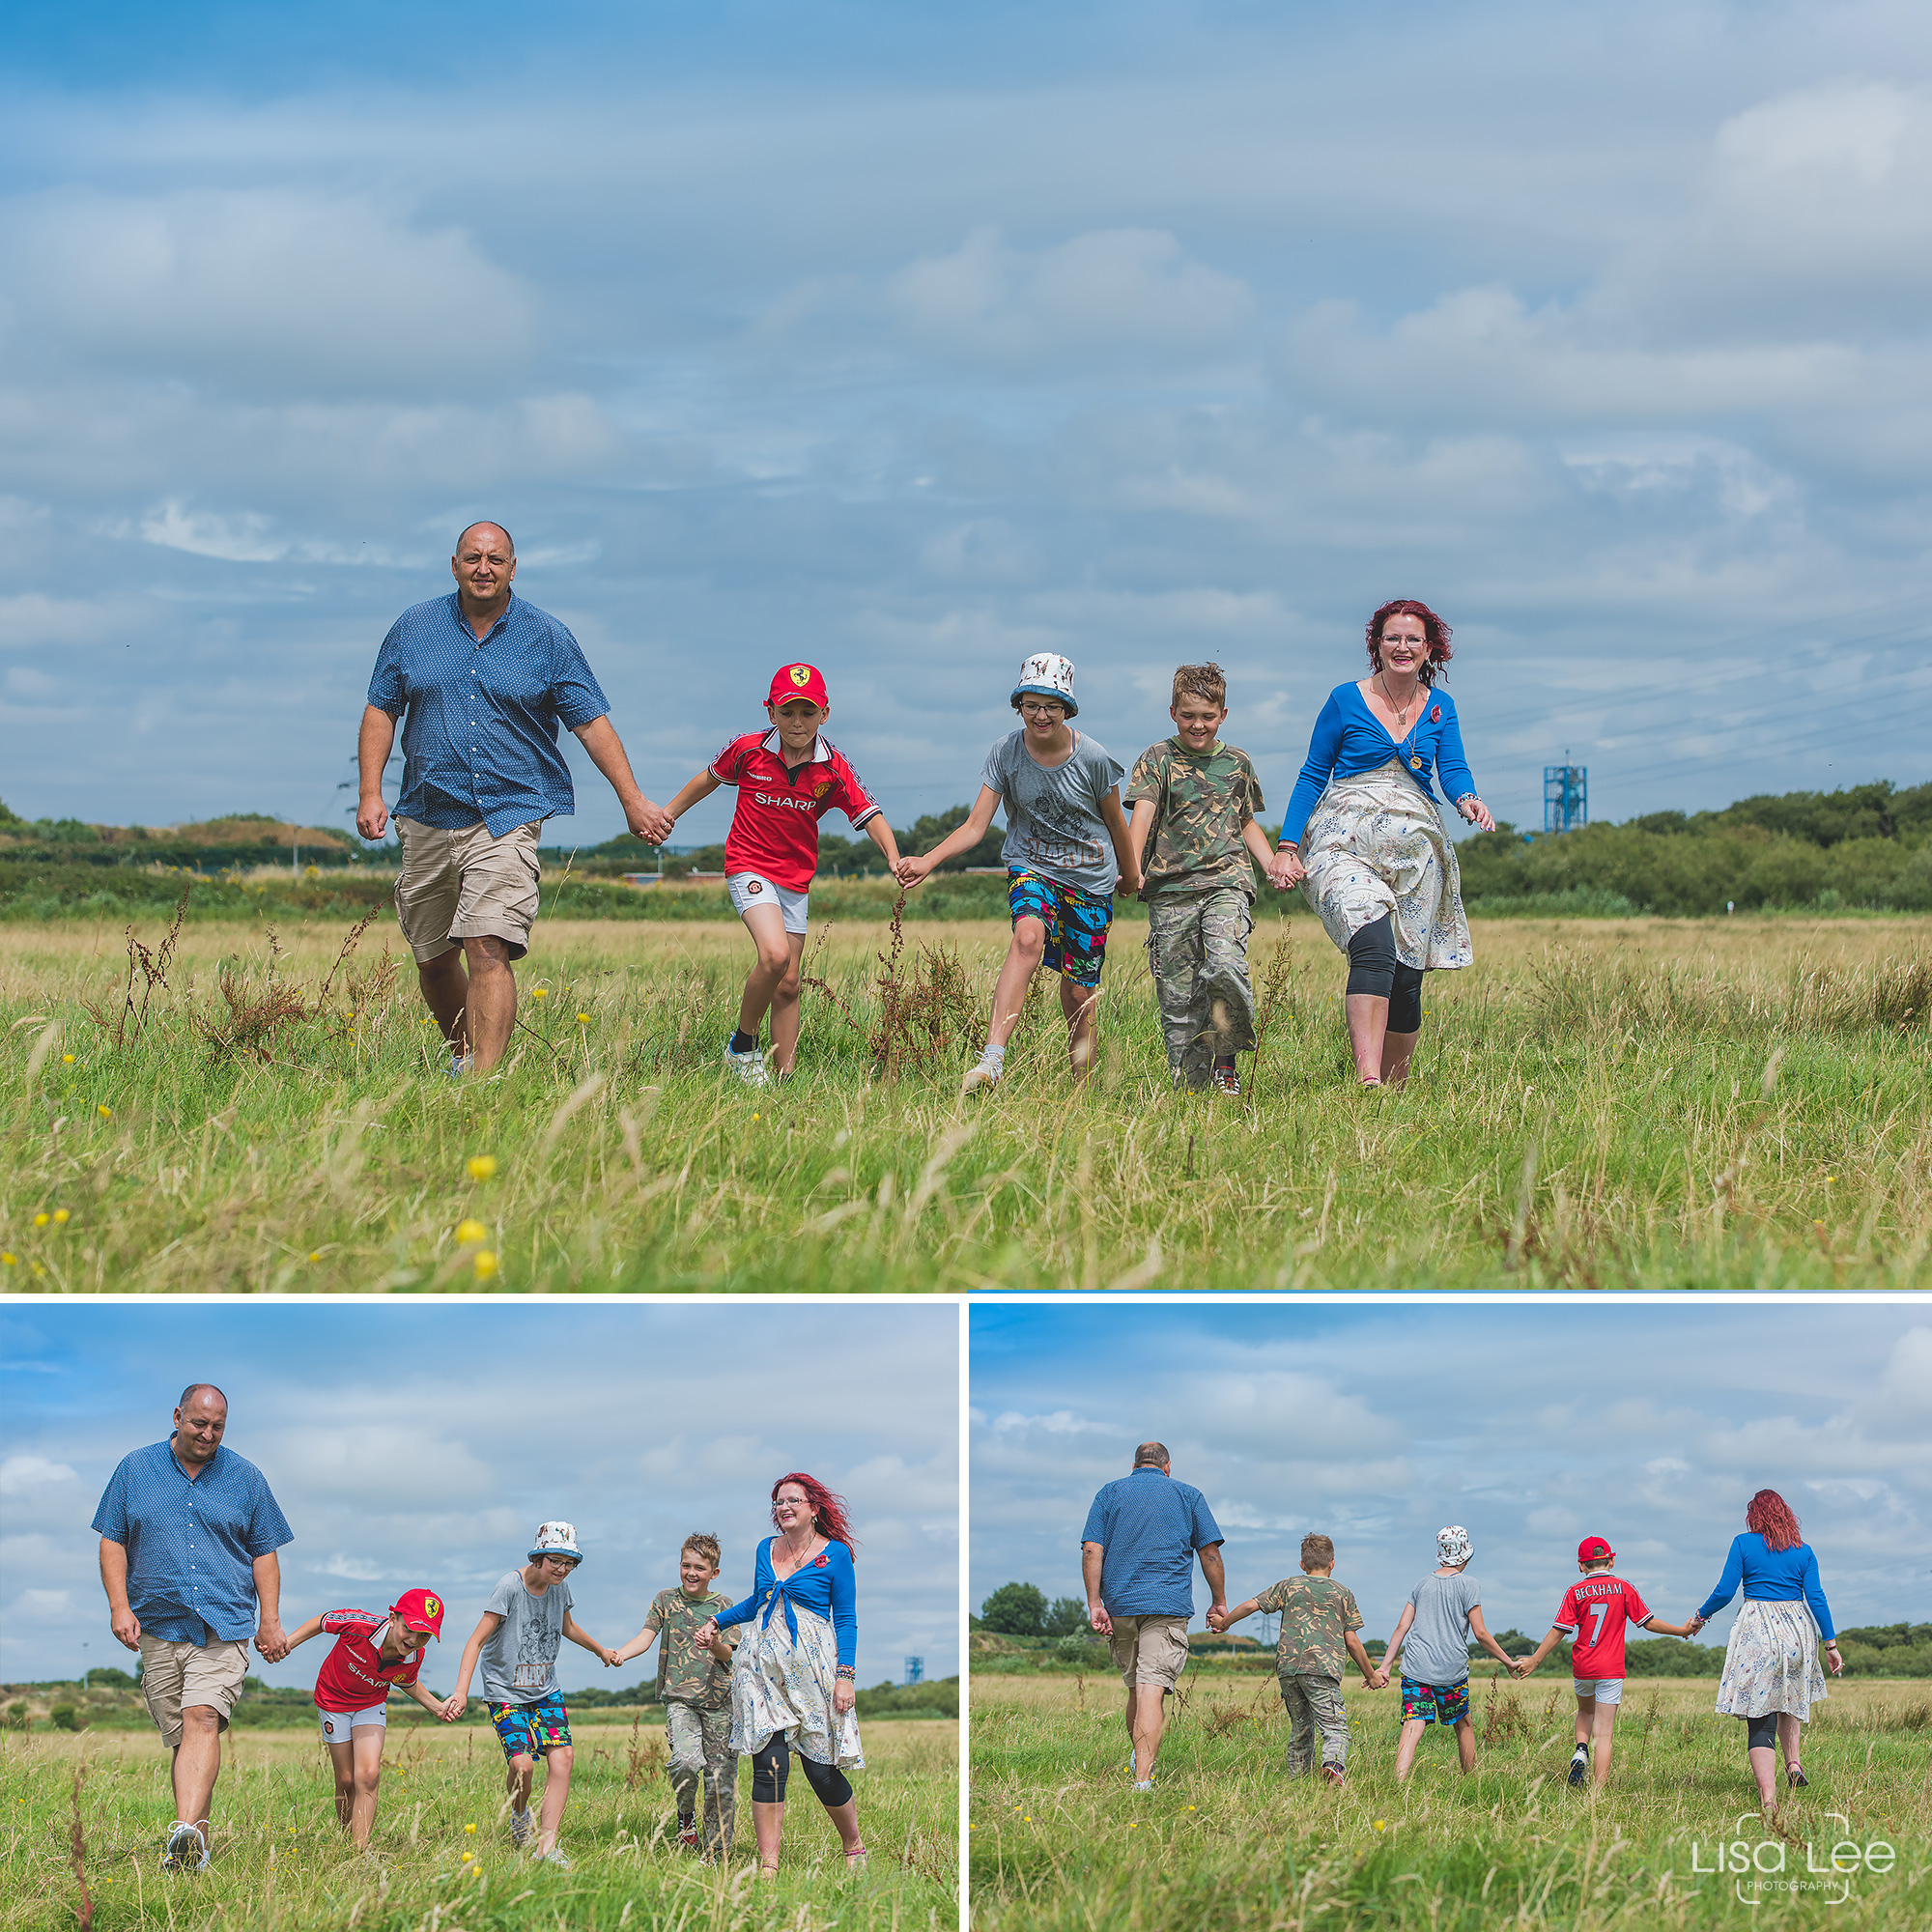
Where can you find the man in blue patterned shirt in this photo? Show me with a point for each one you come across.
(188, 1535)
(482, 679)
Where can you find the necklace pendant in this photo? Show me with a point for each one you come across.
(1416, 764)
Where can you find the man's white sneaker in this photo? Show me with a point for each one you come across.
(749, 1068)
(520, 1828)
(188, 1849)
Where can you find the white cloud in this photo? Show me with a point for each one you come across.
(20, 1475)
(42, 1603)
(354, 1569)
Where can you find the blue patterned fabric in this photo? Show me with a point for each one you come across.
(1769, 1575)
(191, 1542)
(1149, 1526)
(826, 1586)
(479, 738)
(1349, 739)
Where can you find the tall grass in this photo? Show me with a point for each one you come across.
(283, 1865)
(1628, 1104)
(1228, 1841)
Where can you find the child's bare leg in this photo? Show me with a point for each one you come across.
(342, 1762)
(556, 1789)
(1009, 990)
(1081, 1006)
(1398, 1050)
(767, 928)
(1413, 1729)
(518, 1776)
(1368, 1029)
(1587, 1720)
(1466, 1743)
(1606, 1730)
(784, 1008)
(366, 1745)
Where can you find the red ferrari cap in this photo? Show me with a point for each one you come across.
(799, 681)
(419, 1610)
(1594, 1549)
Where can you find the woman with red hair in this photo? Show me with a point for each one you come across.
(792, 1687)
(1363, 840)
(1770, 1662)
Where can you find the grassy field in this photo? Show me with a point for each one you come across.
(1059, 1840)
(1736, 1103)
(282, 1865)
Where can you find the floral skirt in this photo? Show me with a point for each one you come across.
(1374, 844)
(782, 1684)
(1770, 1662)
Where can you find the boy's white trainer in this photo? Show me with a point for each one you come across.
(985, 1072)
(749, 1068)
(555, 1856)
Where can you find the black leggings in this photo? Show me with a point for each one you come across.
(1763, 1732)
(1373, 969)
(771, 1764)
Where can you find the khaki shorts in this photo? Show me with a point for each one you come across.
(462, 884)
(174, 1674)
(1150, 1650)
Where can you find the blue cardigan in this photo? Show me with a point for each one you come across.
(1770, 1577)
(1349, 739)
(825, 1586)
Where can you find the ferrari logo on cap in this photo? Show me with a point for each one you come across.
(431, 1607)
(800, 675)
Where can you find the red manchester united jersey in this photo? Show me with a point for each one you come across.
(355, 1676)
(1593, 1615)
(775, 829)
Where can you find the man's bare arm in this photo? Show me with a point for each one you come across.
(599, 738)
(121, 1620)
(373, 745)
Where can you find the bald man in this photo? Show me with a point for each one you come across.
(482, 680)
(188, 1535)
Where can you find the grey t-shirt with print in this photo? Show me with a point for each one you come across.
(1436, 1648)
(1053, 814)
(520, 1661)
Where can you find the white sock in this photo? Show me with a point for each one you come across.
(994, 1057)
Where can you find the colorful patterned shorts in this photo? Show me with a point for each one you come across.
(531, 1730)
(1076, 923)
(1436, 1703)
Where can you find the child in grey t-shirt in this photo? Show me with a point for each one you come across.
(1443, 1612)
(1066, 845)
(517, 1640)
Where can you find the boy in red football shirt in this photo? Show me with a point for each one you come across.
(788, 778)
(1593, 1613)
(351, 1688)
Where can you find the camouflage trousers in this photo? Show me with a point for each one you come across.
(1197, 952)
(1314, 1706)
(701, 1755)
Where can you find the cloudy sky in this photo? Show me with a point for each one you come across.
(913, 340)
(1533, 1425)
(423, 1446)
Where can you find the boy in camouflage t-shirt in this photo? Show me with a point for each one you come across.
(695, 1692)
(1318, 1622)
(1194, 833)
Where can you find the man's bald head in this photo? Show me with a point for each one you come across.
(200, 1417)
(486, 532)
(193, 1390)
(1151, 1455)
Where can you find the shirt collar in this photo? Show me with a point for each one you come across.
(207, 1468)
(463, 622)
(774, 744)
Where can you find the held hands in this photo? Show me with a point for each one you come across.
(909, 872)
(706, 1636)
(611, 1660)
(1521, 1667)
(452, 1708)
(1476, 812)
(272, 1643)
(651, 823)
(1375, 1680)
(1287, 871)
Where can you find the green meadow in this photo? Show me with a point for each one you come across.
(1060, 1843)
(85, 1814)
(1738, 1102)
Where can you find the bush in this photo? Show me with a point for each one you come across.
(1014, 1609)
(16, 1716)
(64, 1718)
(107, 1678)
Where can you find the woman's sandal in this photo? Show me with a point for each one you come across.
(857, 1861)
(768, 1871)
(1794, 1776)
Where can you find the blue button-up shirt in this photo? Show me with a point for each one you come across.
(191, 1542)
(479, 741)
(1148, 1528)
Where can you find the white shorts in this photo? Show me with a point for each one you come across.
(336, 1725)
(753, 889)
(1604, 1689)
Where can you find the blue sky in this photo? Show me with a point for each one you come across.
(423, 1446)
(1531, 1424)
(913, 340)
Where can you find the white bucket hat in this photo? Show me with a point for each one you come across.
(555, 1539)
(1046, 675)
(1453, 1544)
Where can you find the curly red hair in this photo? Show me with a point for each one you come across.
(1769, 1515)
(828, 1511)
(1434, 629)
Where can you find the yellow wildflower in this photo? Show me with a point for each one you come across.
(42, 1220)
(468, 1234)
(67, 1060)
(480, 1166)
(105, 1113)
(485, 1265)
(61, 1217)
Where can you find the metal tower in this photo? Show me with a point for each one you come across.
(915, 1670)
(1566, 797)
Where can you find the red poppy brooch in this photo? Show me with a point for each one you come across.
(818, 1563)
(1436, 714)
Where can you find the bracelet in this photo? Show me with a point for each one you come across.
(848, 1671)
